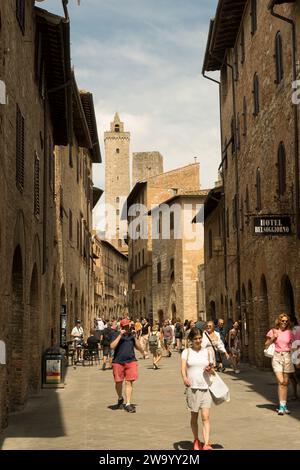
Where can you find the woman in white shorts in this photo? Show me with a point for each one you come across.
(195, 368)
(283, 337)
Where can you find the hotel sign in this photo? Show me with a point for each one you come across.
(272, 226)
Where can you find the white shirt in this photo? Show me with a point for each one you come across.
(77, 331)
(100, 325)
(197, 361)
(219, 345)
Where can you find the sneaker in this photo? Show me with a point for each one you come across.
(237, 371)
(130, 408)
(281, 410)
(197, 445)
(155, 367)
(121, 403)
(286, 410)
(103, 367)
(207, 447)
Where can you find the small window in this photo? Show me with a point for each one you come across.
(281, 163)
(242, 215)
(118, 212)
(242, 44)
(20, 14)
(255, 95)
(172, 221)
(117, 150)
(70, 225)
(278, 59)
(244, 117)
(234, 212)
(210, 244)
(159, 272)
(232, 125)
(227, 223)
(71, 156)
(20, 150)
(117, 128)
(258, 190)
(117, 200)
(36, 191)
(253, 16)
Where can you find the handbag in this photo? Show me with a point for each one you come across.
(270, 350)
(218, 389)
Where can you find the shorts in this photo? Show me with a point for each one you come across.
(282, 362)
(107, 352)
(167, 341)
(198, 399)
(155, 351)
(128, 371)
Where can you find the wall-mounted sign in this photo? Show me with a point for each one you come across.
(272, 226)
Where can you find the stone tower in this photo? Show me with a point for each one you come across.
(145, 165)
(117, 181)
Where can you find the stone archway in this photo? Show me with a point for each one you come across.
(287, 300)
(34, 360)
(212, 310)
(174, 313)
(251, 335)
(16, 360)
(262, 323)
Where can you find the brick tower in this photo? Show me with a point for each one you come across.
(145, 165)
(117, 181)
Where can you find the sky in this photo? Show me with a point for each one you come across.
(143, 59)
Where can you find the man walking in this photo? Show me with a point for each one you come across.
(125, 363)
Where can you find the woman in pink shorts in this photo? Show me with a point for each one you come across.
(282, 336)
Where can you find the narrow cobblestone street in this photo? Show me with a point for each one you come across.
(79, 417)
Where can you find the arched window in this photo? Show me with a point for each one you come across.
(255, 95)
(278, 58)
(117, 128)
(210, 247)
(281, 163)
(258, 190)
(253, 16)
(244, 117)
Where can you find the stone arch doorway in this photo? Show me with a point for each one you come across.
(174, 312)
(160, 314)
(34, 362)
(287, 297)
(212, 310)
(244, 323)
(76, 307)
(251, 333)
(262, 323)
(63, 317)
(16, 361)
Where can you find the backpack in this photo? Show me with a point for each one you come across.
(153, 340)
(106, 337)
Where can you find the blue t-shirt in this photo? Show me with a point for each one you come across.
(124, 352)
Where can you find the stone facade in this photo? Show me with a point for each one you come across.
(150, 193)
(117, 181)
(145, 165)
(260, 169)
(35, 119)
(176, 256)
(111, 280)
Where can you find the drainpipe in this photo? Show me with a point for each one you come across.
(223, 183)
(295, 109)
(236, 182)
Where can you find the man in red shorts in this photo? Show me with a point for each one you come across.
(125, 363)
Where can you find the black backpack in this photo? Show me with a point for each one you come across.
(106, 337)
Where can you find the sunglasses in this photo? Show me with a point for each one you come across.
(283, 321)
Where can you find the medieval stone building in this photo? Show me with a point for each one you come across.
(252, 226)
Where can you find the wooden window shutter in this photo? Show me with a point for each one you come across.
(36, 191)
(20, 149)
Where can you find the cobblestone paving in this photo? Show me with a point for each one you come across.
(79, 417)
